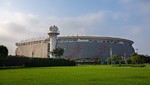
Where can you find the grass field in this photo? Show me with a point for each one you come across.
(77, 75)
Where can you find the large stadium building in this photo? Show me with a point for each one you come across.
(75, 46)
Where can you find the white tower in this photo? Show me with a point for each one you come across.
(53, 32)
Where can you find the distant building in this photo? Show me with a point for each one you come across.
(75, 46)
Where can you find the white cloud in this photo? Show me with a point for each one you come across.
(124, 16)
(138, 7)
(140, 35)
(15, 26)
(78, 25)
(8, 2)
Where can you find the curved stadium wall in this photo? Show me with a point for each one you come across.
(94, 47)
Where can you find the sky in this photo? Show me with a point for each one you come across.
(26, 19)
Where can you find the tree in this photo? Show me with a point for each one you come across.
(108, 60)
(58, 52)
(3, 52)
(134, 58)
(147, 59)
(142, 59)
(114, 59)
(137, 58)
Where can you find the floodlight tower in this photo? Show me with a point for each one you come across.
(53, 32)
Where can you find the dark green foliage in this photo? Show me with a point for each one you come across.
(58, 52)
(139, 59)
(34, 62)
(115, 59)
(129, 65)
(3, 52)
(16, 61)
(44, 62)
(138, 65)
(147, 59)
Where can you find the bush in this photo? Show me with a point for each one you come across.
(3, 52)
(129, 65)
(44, 62)
(14, 61)
(138, 65)
(35, 62)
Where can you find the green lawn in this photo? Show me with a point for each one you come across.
(77, 75)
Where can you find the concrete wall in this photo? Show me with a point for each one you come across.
(38, 49)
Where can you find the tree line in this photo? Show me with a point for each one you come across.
(11, 61)
(135, 58)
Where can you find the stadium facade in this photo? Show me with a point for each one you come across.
(75, 46)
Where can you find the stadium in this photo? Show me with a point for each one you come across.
(75, 47)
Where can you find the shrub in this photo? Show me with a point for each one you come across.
(138, 65)
(3, 52)
(14, 61)
(44, 62)
(129, 65)
(35, 62)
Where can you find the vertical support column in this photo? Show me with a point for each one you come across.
(110, 51)
(111, 54)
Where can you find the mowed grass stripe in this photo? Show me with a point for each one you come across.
(76, 75)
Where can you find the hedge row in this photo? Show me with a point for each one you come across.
(44, 62)
(34, 62)
(129, 65)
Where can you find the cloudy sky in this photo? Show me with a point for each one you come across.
(25, 19)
